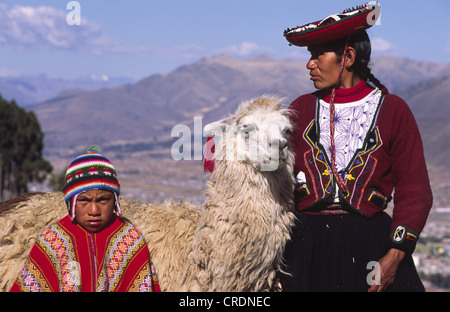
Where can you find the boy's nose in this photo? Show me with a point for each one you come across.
(94, 210)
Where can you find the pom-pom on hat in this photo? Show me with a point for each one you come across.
(335, 26)
(90, 171)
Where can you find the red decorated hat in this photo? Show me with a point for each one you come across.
(335, 26)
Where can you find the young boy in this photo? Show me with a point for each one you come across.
(92, 249)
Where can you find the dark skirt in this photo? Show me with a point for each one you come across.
(332, 252)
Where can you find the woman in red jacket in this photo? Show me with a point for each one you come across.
(354, 144)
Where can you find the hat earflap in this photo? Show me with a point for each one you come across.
(71, 206)
(118, 211)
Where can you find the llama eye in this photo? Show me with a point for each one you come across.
(247, 128)
(287, 130)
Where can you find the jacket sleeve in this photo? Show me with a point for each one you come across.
(412, 190)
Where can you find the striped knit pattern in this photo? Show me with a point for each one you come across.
(87, 172)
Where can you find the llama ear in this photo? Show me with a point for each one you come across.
(211, 131)
(217, 127)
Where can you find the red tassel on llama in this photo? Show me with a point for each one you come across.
(208, 155)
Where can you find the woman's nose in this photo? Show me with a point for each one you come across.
(311, 64)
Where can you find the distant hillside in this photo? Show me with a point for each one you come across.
(211, 88)
(428, 98)
(398, 72)
(27, 90)
(140, 116)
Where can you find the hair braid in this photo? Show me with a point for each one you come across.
(366, 74)
(361, 43)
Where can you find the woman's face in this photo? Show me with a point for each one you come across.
(323, 67)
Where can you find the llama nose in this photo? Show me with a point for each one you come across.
(280, 143)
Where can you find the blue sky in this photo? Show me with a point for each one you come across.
(136, 38)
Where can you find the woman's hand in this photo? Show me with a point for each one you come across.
(388, 268)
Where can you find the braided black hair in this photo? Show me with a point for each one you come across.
(362, 67)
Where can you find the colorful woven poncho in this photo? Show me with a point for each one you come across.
(66, 258)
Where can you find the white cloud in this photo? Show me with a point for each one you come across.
(382, 46)
(247, 49)
(45, 28)
(190, 52)
(7, 72)
(298, 53)
(186, 52)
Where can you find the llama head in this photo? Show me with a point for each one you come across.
(258, 134)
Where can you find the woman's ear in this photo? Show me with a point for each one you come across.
(350, 57)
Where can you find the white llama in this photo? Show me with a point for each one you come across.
(234, 241)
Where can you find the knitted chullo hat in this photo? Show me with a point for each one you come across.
(90, 171)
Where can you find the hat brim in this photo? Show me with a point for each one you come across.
(334, 27)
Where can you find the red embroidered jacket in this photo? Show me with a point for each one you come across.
(392, 158)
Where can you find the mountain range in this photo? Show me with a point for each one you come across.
(135, 116)
(28, 89)
(147, 110)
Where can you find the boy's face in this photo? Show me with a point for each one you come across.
(94, 210)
